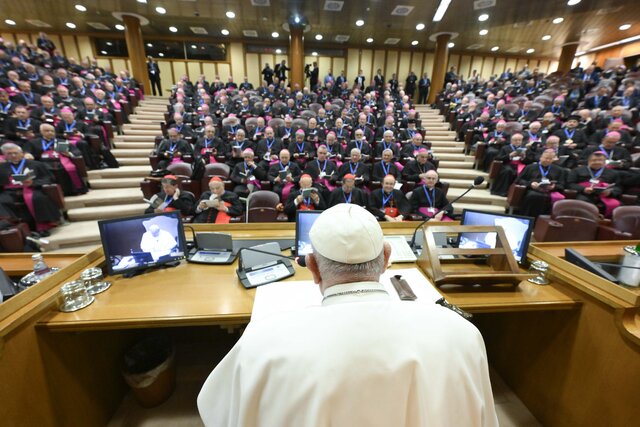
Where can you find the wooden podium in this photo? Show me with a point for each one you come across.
(462, 266)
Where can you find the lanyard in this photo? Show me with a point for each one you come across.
(385, 169)
(5, 109)
(234, 129)
(287, 131)
(23, 124)
(533, 137)
(411, 133)
(496, 134)
(431, 198)
(300, 147)
(569, 136)
(385, 200)
(46, 145)
(359, 146)
(609, 154)
(323, 166)
(544, 172)
(207, 142)
(270, 143)
(346, 199)
(69, 128)
(29, 99)
(18, 170)
(352, 169)
(248, 168)
(168, 199)
(555, 110)
(283, 167)
(241, 145)
(172, 147)
(597, 174)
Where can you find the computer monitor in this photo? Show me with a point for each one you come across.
(304, 221)
(141, 242)
(516, 228)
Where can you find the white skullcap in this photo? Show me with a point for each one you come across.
(347, 233)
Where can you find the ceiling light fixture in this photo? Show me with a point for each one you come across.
(278, 51)
(193, 46)
(450, 45)
(275, 35)
(161, 10)
(605, 46)
(414, 43)
(149, 45)
(531, 50)
(120, 27)
(442, 9)
(483, 17)
(10, 22)
(370, 40)
(296, 19)
(173, 29)
(224, 32)
(81, 8)
(314, 53)
(104, 52)
(142, 1)
(558, 20)
(624, 27)
(573, 2)
(483, 32)
(359, 23)
(546, 37)
(318, 37)
(70, 25)
(230, 14)
(495, 48)
(420, 26)
(161, 54)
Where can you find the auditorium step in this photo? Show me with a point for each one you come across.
(478, 196)
(101, 183)
(144, 132)
(460, 173)
(455, 165)
(133, 161)
(131, 127)
(106, 212)
(123, 172)
(130, 152)
(111, 196)
(456, 157)
(76, 234)
(464, 183)
(138, 145)
(135, 138)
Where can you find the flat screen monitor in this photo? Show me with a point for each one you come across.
(144, 241)
(516, 228)
(304, 221)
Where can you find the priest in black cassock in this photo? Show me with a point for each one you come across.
(387, 203)
(217, 206)
(21, 180)
(172, 198)
(596, 184)
(385, 167)
(430, 201)
(414, 169)
(348, 193)
(283, 175)
(356, 168)
(306, 198)
(511, 156)
(545, 182)
(172, 149)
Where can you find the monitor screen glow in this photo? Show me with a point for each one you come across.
(304, 221)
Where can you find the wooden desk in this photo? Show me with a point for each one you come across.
(20, 264)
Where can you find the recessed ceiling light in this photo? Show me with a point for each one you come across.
(558, 20)
(109, 44)
(10, 22)
(173, 29)
(149, 45)
(161, 10)
(370, 40)
(359, 22)
(70, 25)
(495, 48)
(483, 32)
(275, 35)
(224, 32)
(161, 54)
(546, 37)
(414, 43)
(104, 52)
(193, 46)
(450, 45)
(119, 27)
(318, 36)
(230, 14)
(531, 50)
(573, 2)
(81, 8)
(483, 17)
(314, 53)
(624, 27)
(278, 51)
(142, 1)
(420, 26)
(296, 19)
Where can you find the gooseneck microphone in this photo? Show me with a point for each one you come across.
(476, 182)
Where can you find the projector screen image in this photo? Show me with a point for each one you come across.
(143, 241)
(516, 228)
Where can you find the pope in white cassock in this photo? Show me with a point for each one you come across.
(360, 359)
(157, 241)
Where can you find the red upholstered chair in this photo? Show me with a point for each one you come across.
(625, 224)
(570, 221)
(276, 123)
(183, 172)
(12, 238)
(261, 207)
(299, 124)
(221, 170)
(514, 196)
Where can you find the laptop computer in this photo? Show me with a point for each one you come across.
(212, 248)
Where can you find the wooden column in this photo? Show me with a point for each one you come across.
(440, 63)
(296, 56)
(566, 56)
(135, 47)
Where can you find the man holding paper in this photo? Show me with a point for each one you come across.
(217, 205)
(359, 359)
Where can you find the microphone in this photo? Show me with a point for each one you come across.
(476, 182)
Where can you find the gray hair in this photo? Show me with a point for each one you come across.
(10, 146)
(338, 272)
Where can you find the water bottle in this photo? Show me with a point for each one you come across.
(40, 268)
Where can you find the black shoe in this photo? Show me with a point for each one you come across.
(44, 233)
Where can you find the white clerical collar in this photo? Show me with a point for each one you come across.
(354, 292)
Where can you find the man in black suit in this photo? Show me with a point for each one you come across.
(423, 89)
(379, 80)
(154, 75)
(600, 100)
(313, 76)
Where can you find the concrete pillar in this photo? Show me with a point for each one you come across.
(296, 56)
(440, 65)
(135, 47)
(566, 56)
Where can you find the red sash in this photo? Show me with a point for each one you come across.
(305, 207)
(223, 217)
(286, 190)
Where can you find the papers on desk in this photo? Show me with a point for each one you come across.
(281, 297)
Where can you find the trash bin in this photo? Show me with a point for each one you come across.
(149, 369)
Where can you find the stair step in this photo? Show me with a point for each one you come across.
(147, 116)
(134, 138)
(122, 172)
(129, 127)
(102, 183)
(480, 196)
(106, 212)
(104, 197)
(127, 145)
(454, 157)
(129, 152)
(464, 183)
(136, 161)
(446, 173)
(443, 149)
(455, 165)
(74, 234)
(452, 143)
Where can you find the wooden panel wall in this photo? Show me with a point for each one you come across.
(194, 69)
(465, 66)
(353, 60)
(403, 66)
(253, 68)
(392, 64)
(238, 71)
(428, 64)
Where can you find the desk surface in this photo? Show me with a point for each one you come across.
(196, 294)
(18, 264)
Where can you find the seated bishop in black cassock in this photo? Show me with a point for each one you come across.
(387, 203)
(348, 193)
(429, 201)
(306, 198)
(545, 182)
(596, 184)
(217, 205)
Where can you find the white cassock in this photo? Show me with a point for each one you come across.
(158, 246)
(359, 360)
